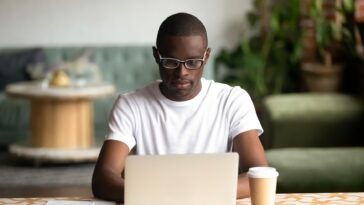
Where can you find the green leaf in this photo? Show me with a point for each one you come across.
(274, 23)
(348, 5)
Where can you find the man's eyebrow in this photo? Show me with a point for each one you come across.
(191, 57)
(197, 57)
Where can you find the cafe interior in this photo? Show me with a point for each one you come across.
(63, 63)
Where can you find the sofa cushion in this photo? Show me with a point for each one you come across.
(126, 67)
(13, 65)
(14, 119)
(312, 120)
(102, 108)
(318, 169)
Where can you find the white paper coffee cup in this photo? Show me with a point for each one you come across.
(262, 182)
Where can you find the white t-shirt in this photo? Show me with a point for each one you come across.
(207, 123)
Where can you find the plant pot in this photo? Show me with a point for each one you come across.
(321, 78)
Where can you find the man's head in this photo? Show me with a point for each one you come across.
(181, 37)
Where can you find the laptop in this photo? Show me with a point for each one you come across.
(189, 179)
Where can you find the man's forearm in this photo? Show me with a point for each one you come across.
(243, 186)
(109, 187)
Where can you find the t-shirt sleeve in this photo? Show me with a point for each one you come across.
(121, 122)
(242, 114)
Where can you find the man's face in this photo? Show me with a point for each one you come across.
(181, 84)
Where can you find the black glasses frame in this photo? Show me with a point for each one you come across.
(182, 61)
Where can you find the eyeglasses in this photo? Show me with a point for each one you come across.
(173, 63)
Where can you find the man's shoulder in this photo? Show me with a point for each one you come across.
(213, 85)
(223, 88)
(141, 93)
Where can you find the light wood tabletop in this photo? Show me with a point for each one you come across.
(281, 199)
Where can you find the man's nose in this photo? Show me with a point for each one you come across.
(181, 70)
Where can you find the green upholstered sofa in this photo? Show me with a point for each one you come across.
(316, 141)
(127, 67)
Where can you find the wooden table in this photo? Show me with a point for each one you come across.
(281, 199)
(61, 117)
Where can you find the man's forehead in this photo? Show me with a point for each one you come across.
(179, 42)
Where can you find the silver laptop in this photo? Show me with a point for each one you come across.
(192, 179)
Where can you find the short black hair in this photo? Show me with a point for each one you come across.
(181, 24)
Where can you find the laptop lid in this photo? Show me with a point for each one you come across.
(191, 179)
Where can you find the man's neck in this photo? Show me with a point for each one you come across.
(171, 95)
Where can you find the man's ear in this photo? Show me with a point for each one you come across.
(207, 55)
(155, 54)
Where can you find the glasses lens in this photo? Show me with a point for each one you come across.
(194, 63)
(169, 63)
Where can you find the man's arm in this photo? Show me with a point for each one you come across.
(251, 154)
(107, 182)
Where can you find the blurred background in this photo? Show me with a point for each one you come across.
(111, 22)
(300, 60)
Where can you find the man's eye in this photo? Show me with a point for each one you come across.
(169, 62)
(194, 62)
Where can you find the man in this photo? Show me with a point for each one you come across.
(182, 113)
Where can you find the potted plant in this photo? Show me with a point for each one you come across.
(266, 62)
(358, 22)
(324, 73)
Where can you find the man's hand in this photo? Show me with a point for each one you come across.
(107, 182)
(251, 154)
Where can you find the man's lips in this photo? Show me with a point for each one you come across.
(181, 84)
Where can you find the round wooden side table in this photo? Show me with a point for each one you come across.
(61, 120)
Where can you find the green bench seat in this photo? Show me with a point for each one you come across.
(316, 141)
